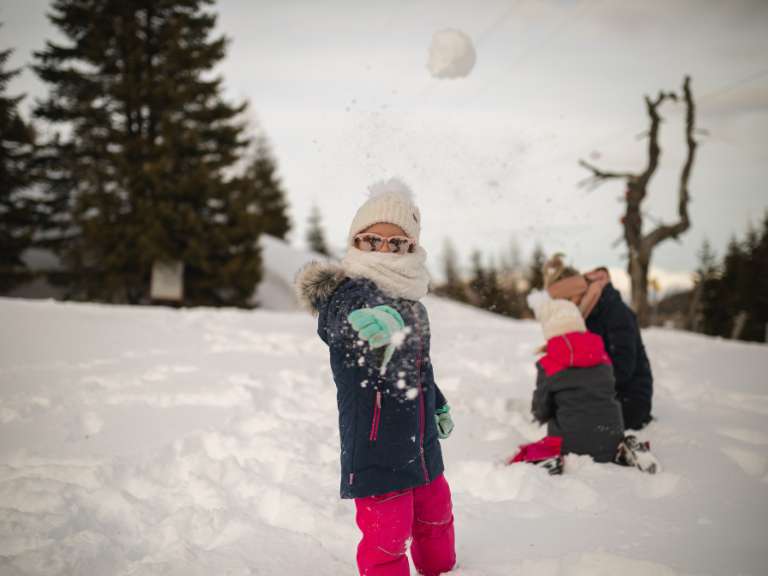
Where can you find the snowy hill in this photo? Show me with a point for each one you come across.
(280, 262)
(203, 442)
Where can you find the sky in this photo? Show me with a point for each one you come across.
(342, 91)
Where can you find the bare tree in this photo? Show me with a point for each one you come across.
(315, 234)
(641, 245)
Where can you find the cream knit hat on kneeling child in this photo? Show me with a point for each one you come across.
(557, 317)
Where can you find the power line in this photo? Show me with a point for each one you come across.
(723, 89)
(568, 20)
(498, 22)
(733, 85)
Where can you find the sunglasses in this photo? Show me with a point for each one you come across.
(373, 242)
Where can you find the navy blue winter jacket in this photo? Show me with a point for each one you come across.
(386, 420)
(615, 322)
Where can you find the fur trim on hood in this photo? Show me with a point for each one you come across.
(317, 281)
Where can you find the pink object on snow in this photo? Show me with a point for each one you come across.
(389, 521)
(547, 447)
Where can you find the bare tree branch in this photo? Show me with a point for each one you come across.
(654, 151)
(599, 176)
(663, 232)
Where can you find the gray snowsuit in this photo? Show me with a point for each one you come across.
(575, 396)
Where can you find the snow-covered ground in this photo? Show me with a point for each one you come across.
(203, 442)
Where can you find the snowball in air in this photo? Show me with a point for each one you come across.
(451, 54)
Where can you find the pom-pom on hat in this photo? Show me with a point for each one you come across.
(557, 317)
(390, 201)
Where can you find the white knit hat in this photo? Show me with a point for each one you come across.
(390, 201)
(557, 317)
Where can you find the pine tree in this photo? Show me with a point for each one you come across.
(511, 262)
(734, 286)
(709, 314)
(493, 298)
(453, 287)
(536, 268)
(510, 271)
(146, 151)
(268, 197)
(511, 301)
(759, 266)
(751, 284)
(315, 235)
(18, 217)
(477, 274)
(487, 291)
(732, 298)
(753, 329)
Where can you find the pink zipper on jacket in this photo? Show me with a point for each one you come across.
(376, 418)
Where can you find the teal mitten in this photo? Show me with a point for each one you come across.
(444, 422)
(376, 326)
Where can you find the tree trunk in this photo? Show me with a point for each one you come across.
(738, 325)
(693, 321)
(638, 273)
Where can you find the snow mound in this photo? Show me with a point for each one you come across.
(451, 54)
(280, 263)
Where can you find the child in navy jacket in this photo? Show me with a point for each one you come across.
(391, 412)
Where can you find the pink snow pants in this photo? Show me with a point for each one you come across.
(389, 522)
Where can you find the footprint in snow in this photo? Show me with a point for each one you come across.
(745, 435)
(751, 462)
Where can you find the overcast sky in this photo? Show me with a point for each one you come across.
(342, 91)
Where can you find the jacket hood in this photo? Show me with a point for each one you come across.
(316, 282)
(574, 350)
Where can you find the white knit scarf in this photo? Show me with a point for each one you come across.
(397, 275)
